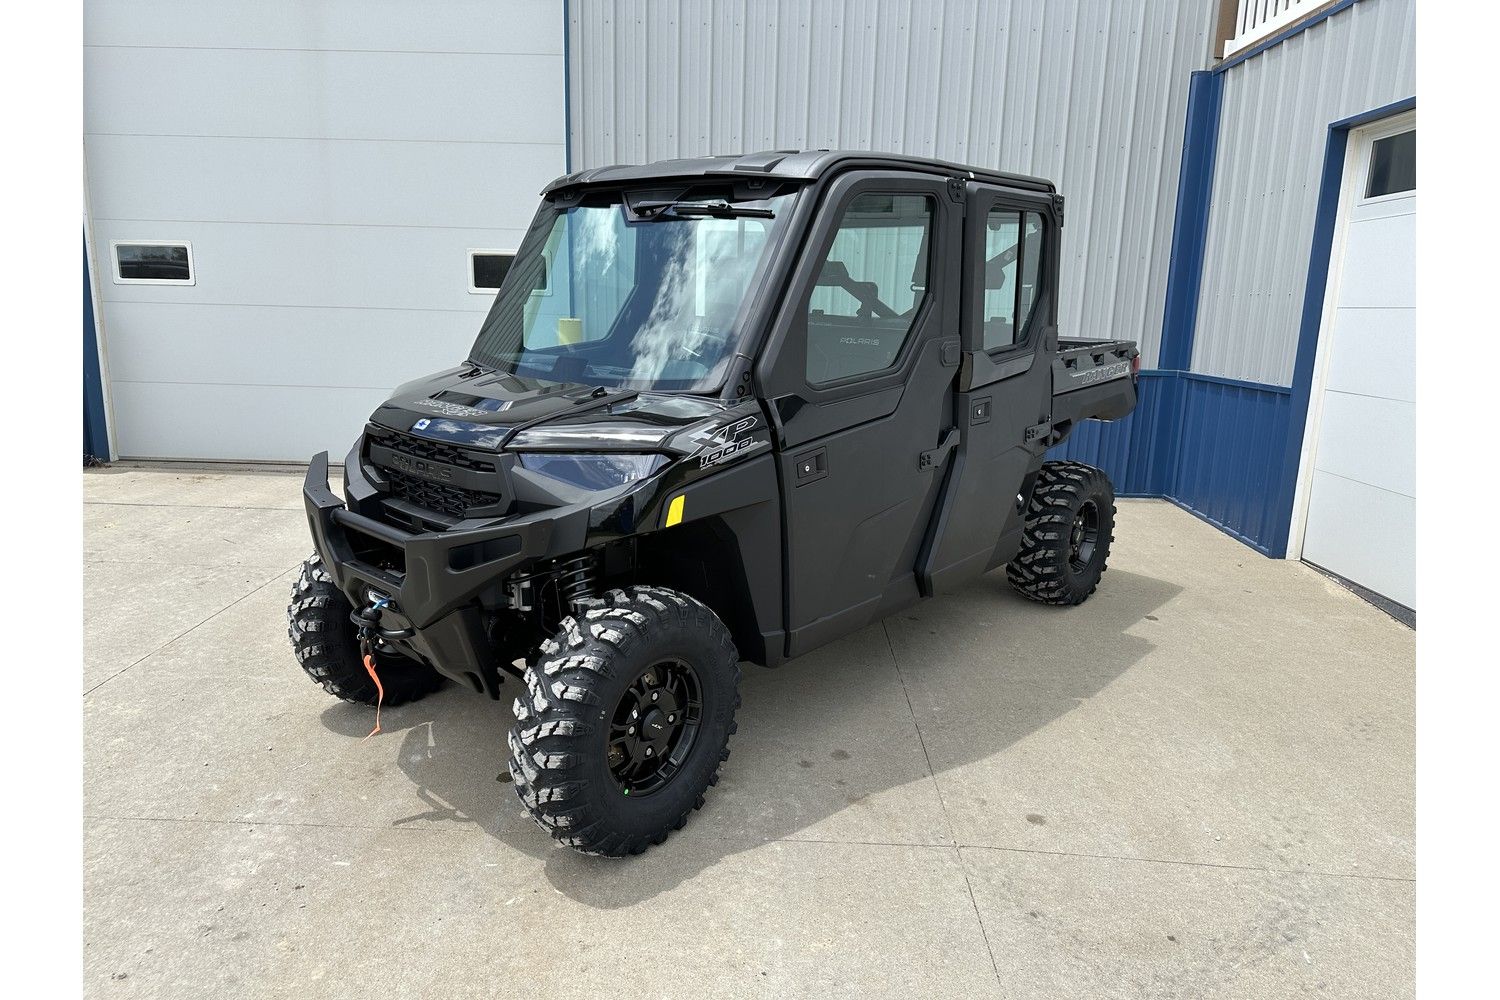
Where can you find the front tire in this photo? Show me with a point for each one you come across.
(625, 721)
(326, 645)
(1070, 523)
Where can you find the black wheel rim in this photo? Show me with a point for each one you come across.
(654, 727)
(1083, 541)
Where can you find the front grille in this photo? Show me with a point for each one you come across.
(432, 451)
(451, 500)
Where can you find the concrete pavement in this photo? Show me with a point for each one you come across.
(1199, 783)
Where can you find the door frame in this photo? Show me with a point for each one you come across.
(1360, 139)
(781, 363)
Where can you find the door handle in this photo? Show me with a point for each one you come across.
(811, 466)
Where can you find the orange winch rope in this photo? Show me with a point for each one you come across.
(379, 691)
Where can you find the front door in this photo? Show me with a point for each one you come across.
(859, 370)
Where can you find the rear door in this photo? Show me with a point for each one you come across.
(859, 373)
(1008, 326)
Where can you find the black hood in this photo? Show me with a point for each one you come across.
(489, 410)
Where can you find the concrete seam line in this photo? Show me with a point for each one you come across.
(942, 803)
(158, 649)
(1186, 863)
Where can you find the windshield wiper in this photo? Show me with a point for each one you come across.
(718, 208)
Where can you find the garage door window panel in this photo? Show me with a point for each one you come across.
(1393, 166)
(153, 263)
(871, 286)
(487, 270)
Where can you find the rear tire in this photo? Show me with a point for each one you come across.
(324, 641)
(587, 781)
(1070, 523)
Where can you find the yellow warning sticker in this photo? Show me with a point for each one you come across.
(674, 510)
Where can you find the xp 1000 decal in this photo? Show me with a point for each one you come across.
(733, 440)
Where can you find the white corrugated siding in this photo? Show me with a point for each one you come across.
(1090, 95)
(1272, 132)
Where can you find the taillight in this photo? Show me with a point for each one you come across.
(1135, 368)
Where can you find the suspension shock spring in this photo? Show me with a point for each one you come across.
(576, 580)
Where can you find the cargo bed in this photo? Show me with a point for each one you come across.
(1092, 378)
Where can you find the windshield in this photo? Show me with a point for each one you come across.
(644, 296)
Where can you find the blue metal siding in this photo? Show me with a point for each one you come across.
(1211, 445)
(95, 433)
(1229, 466)
(1200, 139)
(1134, 451)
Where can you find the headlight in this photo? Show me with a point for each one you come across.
(598, 471)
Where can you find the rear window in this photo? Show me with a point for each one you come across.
(1012, 271)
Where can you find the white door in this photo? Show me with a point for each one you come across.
(1359, 464)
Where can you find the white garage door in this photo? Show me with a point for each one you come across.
(1361, 491)
(284, 197)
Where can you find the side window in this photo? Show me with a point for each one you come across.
(870, 287)
(1012, 275)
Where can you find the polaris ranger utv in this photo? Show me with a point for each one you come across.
(721, 409)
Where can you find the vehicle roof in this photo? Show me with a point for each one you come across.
(788, 164)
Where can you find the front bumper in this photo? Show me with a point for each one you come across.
(443, 572)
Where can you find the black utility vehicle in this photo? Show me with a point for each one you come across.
(722, 409)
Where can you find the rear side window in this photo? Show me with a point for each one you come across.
(1012, 275)
(871, 285)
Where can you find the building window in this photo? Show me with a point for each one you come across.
(153, 263)
(871, 286)
(1393, 165)
(1012, 268)
(488, 268)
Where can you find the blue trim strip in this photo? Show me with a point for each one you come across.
(1324, 222)
(567, 88)
(1283, 35)
(1195, 184)
(1238, 383)
(1375, 114)
(95, 430)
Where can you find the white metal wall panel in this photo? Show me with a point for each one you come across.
(488, 26)
(331, 164)
(1090, 95)
(1273, 128)
(298, 93)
